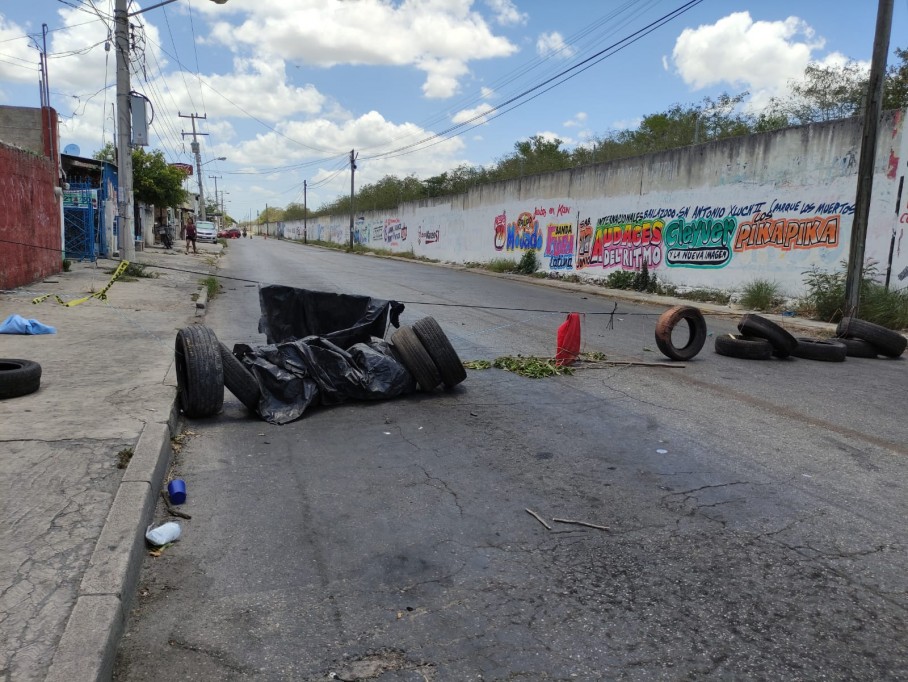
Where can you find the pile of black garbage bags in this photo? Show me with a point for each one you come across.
(322, 349)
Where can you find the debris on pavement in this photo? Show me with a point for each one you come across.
(171, 510)
(176, 491)
(163, 534)
(16, 324)
(538, 518)
(582, 523)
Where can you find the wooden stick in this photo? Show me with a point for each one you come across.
(581, 523)
(538, 518)
(171, 510)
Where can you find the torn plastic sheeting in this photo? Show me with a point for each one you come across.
(295, 375)
(289, 313)
(16, 324)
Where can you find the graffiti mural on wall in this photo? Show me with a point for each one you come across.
(559, 245)
(395, 231)
(523, 233)
(428, 236)
(699, 243)
(764, 231)
(624, 245)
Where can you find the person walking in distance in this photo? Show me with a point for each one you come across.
(190, 236)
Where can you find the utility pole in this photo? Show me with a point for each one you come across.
(855, 271)
(352, 173)
(217, 203)
(198, 158)
(267, 226)
(127, 242)
(305, 217)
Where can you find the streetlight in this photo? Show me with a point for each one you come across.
(124, 126)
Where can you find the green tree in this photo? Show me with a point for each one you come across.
(534, 155)
(895, 89)
(155, 181)
(271, 214)
(295, 211)
(106, 153)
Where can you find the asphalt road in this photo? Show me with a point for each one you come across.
(755, 510)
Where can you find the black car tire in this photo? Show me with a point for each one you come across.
(783, 343)
(820, 349)
(887, 342)
(415, 358)
(744, 348)
(239, 380)
(200, 373)
(667, 323)
(439, 348)
(858, 348)
(18, 377)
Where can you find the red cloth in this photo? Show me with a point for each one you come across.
(568, 348)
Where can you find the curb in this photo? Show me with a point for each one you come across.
(88, 648)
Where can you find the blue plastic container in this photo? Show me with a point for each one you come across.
(176, 490)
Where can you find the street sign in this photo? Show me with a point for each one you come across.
(185, 167)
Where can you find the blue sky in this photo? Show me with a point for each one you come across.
(290, 87)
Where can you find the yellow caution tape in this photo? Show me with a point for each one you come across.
(100, 295)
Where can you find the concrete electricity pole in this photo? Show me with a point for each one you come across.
(305, 217)
(216, 178)
(127, 242)
(352, 173)
(868, 155)
(198, 159)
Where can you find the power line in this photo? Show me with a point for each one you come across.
(608, 51)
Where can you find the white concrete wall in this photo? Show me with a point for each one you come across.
(767, 206)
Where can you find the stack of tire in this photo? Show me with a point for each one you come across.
(428, 355)
(205, 366)
(762, 339)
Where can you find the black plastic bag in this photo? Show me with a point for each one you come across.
(289, 313)
(297, 374)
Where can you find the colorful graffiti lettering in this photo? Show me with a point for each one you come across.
(788, 233)
(626, 245)
(501, 231)
(524, 233)
(699, 243)
(428, 236)
(395, 231)
(559, 246)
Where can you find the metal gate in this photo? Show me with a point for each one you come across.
(80, 224)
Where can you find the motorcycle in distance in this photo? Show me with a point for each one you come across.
(166, 239)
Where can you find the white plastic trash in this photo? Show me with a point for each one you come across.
(160, 536)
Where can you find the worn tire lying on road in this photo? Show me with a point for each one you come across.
(783, 343)
(887, 342)
(743, 347)
(858, 348)
(439, 348)
(18, 377)
(239, 380)
(667, 323)
(820, 349)
(415, 358)
(200, 373)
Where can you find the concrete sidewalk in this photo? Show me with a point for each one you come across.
(72, 520)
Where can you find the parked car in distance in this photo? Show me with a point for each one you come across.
(206, 232)
(222, 234)
(234, 233)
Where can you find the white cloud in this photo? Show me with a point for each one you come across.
(474, 115)
(487, 93)
(439, 37)
(549, 136)
(506, 12)
(553, 44)
(758, 55)
(19, 63)
(578, 120)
